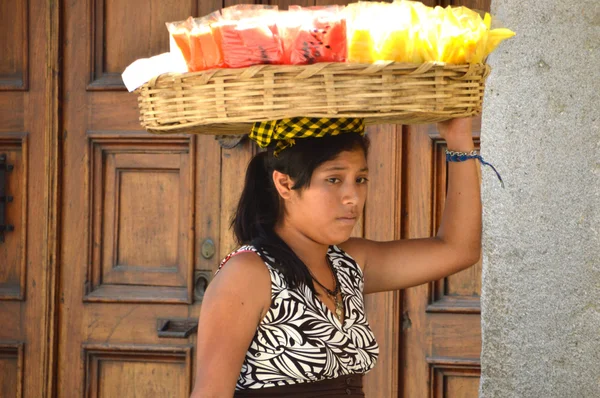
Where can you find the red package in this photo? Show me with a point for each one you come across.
(314, 34)
(249, 36)
(204, 48)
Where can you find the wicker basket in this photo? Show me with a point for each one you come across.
(228, 101)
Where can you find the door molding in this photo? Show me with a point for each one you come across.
(52, 161)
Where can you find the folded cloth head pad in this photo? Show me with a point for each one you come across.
(282, 133)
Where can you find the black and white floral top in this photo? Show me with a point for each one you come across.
(300, 340)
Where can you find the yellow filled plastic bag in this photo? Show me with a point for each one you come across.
(409, 31)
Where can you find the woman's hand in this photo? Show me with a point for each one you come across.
(457, 133)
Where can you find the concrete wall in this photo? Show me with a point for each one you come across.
(541, 264)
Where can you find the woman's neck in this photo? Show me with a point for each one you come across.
(313, 254)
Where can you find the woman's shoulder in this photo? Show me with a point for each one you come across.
(243, 256)
(243, 272)
(239, 293)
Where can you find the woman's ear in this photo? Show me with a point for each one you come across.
(283, 184)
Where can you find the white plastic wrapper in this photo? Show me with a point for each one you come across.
(144, 69)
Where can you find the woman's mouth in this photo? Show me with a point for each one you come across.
(347, 220)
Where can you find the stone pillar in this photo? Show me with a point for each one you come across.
(541, 235)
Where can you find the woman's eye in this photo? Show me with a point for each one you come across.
(362, 180)
(333, 180)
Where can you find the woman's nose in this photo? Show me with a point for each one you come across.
(351, 194)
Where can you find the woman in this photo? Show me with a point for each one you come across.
(284, 316)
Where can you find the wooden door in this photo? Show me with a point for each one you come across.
(139, 213)
(136, 209)
(441, 336)
(27, 176)
(441, 321)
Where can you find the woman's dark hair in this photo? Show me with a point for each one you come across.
(259, 207)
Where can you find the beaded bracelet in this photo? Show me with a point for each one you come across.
(453, 156)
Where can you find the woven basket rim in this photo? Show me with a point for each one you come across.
(222, 99)
(317, 67)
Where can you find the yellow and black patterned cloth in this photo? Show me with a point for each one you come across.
(285, 131)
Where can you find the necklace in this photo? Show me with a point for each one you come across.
(333, 294)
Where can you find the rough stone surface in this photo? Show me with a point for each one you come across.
(541, 260)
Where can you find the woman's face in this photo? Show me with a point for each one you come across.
(327, 210)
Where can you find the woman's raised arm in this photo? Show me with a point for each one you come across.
(404, 263)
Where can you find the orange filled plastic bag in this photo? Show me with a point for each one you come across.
(180, 32)
(204, 46)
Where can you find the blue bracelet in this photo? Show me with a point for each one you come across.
(453, 156)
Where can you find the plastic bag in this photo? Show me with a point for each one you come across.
(401, 23)
(382, 31)
(248, 35)
(465, 36)
(362, 23)
(409, 31)
(204, 47)
(179, 32)
(313, 34)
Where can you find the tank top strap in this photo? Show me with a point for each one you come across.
(249, 249)
(242, 249)
(338, 255)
